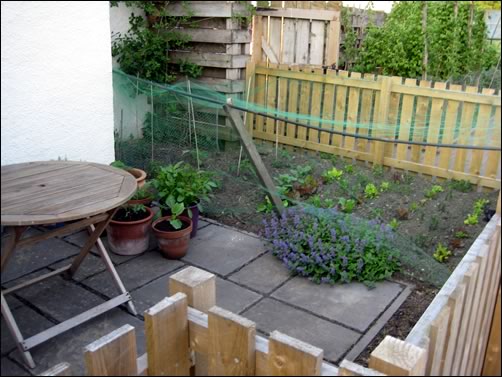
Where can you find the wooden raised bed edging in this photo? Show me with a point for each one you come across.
(457, 335)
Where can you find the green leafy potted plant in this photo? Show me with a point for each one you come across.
(187, 186)
(139, 174)
(143, 195)
(128, 230)
(173, 231)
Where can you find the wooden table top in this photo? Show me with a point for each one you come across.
(48, 192)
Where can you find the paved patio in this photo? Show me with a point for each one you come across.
(342, 320)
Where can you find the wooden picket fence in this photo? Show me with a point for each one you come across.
(459, 334)
(428, 112)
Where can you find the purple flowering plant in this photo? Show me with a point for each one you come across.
(328, 246)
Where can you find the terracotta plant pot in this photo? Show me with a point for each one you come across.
(194, 218)
(146, 202)
(173, 243)
(129, 237)
(140, 176)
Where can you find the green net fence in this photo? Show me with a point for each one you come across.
(157, 125)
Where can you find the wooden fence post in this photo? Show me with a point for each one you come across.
(348, 368)
(498, 206)
(383, 115)
(256, 53)
(491, 365)
(231, 346)
(166, 328)
(290, 357)
(200, 288)
(113, 355)
(395, 357)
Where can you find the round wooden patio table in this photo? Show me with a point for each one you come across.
(81, 194)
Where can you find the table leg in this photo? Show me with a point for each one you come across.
(13, 234)
(93, 237)
(16, 333)
(111, 268)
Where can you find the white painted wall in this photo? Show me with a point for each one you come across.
(57, 97)
(129, 113)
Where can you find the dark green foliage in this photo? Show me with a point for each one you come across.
(461, 185)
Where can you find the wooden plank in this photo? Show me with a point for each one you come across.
(217, 35)
(333, 43)
(365, 115)
(491, 365)
(113, 354)
(406, 122)
(271, 102)
(437, 342)
(225, 85)
(340, 110)
(317, 43)
(302, 42)
(289, 39)
(394, 357)
(383, 115)
(470, 283)
(291, 357)
(348, 368)
(304, 106)
(466, 124)
(231, 344)
(257, 30)
(434, 126)
(260, 91)
(315, 109)
(352, 112)
(468, 96)
(420, 124)
(476, 319)
(450, 124)
(480, 134)
(301, 14)
(166, 328)
(282, 91)
(343, 80)
(255, 158)
(62, 369)
(269, 53)
(274, 38)
(198, 285)
(327, 110)
(493, 158)
(210, 59)
(205, 9)
(294, 86)
(393, 118)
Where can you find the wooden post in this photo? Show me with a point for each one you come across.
(383, 114)
(166, 328)
(394, 357)
(62, 369)
(491, 365)
(256, 53)
(231, 348)
(198, 285)
(291, 357)
(498, 205)
(249, 147)
(113, 354)
(200, 288)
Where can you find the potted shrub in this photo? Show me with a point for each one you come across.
(173, 231)
(143, 195)
(128, 230)
(188, 187)
(139, 174)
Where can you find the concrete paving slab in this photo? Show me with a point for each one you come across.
(59, 298)
(263, 275)
(134, 273)
(221, 250)
(228, 295)
(29, 322)
(69, 346)
(234, 298)
(271, 315)
(92, 265)
(353, 305)
(37, 256)
(9, 368)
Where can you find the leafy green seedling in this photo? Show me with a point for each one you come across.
(332, 175)
(394, 223)
(370, 191)
(433, 192)
(347, 205)
(441, 254)
(384, 186)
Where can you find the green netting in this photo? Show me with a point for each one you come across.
(163, 124)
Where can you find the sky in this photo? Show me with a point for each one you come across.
(377, 5)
